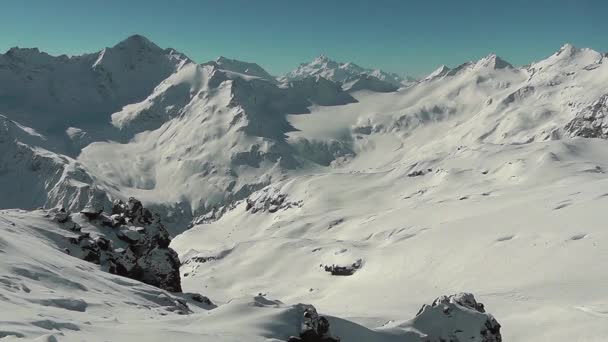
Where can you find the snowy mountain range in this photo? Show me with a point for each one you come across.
(485, 178)
(347, 73)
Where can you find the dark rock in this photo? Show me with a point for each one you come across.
(269, 200)
(103, 243)
(368, 82)
(129, 236)
(591, 121)
(313, 328)
(416, 173)
(473, 322)
(91, 212)
(201, 299)
(147, 258)
(344, 270)
(61, 216)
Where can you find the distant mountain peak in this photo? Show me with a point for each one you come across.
(322, 58)
(222, 59)
(241, 67)
(494, 61)
(439, 72)
(567, 49)
(137, 41)
(332, 70)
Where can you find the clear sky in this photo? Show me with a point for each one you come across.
(408, 37)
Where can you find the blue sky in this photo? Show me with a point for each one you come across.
(407, 37)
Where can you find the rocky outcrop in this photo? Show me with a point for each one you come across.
(269, 200)
(456, 318)
(347, 270)
(592, 121)
(313, 327)
(131, 241)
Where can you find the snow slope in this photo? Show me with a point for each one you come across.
(485, 178)
(48, 295)
(468, 182)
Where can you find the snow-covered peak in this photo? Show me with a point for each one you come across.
(246, 68)
(321, 59)
(137, 50)
(493, 61)
(29, 57)
(566, 49)
(341, 72)
(569, 59)
(439, 72)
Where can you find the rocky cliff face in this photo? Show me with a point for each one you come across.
(591, 121)
(130, 241)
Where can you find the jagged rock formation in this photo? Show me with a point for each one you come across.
(131, 242)
(33, 176)
(347, 270)
(592, 121)
(269, 200)
(313, 327)
(457, 318)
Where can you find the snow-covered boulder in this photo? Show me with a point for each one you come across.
(456, 318)
(313, 327)
(343, 270)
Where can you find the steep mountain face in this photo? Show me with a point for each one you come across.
(245, 68)
(52, 94)
(592, 121)
(33, 176)
(210, 137)
(324, 67)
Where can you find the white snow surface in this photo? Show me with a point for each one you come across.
(465, 181)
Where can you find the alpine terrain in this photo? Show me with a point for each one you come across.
(145, 196)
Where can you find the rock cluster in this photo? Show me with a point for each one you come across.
(131, 242)
(343, 270)
(592, 121)
(313, 327)
(455, 318)
(269, 200)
